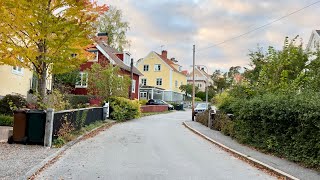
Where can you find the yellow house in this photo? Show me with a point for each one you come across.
(17, 80)
(162, 77)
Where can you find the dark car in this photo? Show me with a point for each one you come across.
(159, 102)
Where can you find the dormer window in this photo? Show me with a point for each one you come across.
(126, 58)
(95, 57)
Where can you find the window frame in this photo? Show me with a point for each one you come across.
(146, 69)
(144, 79)
(160, 81)
(157, 67)
(82, 80)
(96, 58)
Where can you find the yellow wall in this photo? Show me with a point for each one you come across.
(14, 83)
(152, 75)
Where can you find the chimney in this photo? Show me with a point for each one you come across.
(164, 54)
(102, 37)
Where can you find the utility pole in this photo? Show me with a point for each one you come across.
(131, 77)
(193, 85)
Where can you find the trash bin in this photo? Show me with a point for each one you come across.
(19, 127)
(36, 126)
(179, 107)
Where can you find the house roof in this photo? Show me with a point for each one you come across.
(111, 52)
(170, 63)
(318, 31)
(185, 72)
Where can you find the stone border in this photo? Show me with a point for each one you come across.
(32, 173)
(244, 156)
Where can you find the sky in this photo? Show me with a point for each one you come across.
(177, 25)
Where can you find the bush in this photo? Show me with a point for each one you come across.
(143, 102)
(58, 101)
(202, 118)
(197, 99)
(224, 124)
(10, 103)
(6, 120)
(79, 101)
(124, 109)
(285, 124)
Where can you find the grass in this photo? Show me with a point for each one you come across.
(154, 113)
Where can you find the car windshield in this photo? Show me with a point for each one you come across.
(202, 105)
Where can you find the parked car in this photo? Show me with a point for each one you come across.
(201, 107)
(160, 102)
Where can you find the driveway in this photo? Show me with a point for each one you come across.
(153, 147)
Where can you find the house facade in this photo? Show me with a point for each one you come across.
(104, 55)
(201, 78)
(313, 44)
(162, 77)
(18, 80)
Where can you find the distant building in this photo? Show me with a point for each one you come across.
(162, 77)
(201, 78)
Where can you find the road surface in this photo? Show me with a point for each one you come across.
(155, 147)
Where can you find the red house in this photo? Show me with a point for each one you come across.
(104, 55)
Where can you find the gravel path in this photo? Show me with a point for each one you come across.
(17, 159)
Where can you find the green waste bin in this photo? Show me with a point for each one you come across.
(179, 107)
(36, 126)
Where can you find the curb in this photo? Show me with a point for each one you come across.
(244, 156)
(55, 156)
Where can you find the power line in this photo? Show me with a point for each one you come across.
(260, 27)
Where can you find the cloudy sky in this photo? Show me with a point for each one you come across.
(178, 24)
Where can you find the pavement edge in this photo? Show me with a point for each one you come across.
(55, 156)
(246, 157)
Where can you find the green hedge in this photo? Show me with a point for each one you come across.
(10, 103)
(285, 124)
(124, 109)
(6, 120)
(78, 101)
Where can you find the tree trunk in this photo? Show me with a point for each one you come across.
(42, 85)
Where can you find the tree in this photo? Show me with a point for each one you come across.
(188, 89)
(219, 80)
(47, 37)
(112, 23)
(107, 81)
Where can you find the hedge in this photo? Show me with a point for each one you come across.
(124, 109)
(10, 103)
(284, 124)
(6, 120)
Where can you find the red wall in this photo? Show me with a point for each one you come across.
(104, 61)
(154, 108)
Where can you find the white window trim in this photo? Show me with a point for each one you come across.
(145, 81)
(81, 80)
(143, 94)
(159, 81)
(16, 71)
(133, 90)
(96, 59)
(147, 65)
(157, 65)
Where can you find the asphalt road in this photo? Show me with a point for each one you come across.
(155, 147)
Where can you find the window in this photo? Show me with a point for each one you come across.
(143, 95)
(180, 68)
(82, 80)
(133, 85)
(18, 69)
(145, 67)
(126, 58)
(159, 82)
(144, 82)
(176, 83)
(95, 56)
(157, 67)
(181, 83)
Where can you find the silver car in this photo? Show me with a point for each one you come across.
(201, 107)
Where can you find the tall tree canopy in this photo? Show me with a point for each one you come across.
(112, 23)
(42, 35)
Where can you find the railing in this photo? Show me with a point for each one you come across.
(76, 117)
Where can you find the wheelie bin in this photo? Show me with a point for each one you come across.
(36, 126)
(19, 127)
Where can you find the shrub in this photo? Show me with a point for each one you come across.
(202, 118)
(79, 101)
(124, 109)
(58, 101)
(10, 103)
(224, 124)
(143, 102)
(285, 124)
(6, 120)
(197, 99)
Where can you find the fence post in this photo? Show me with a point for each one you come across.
(49, 128)
(105, 111)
